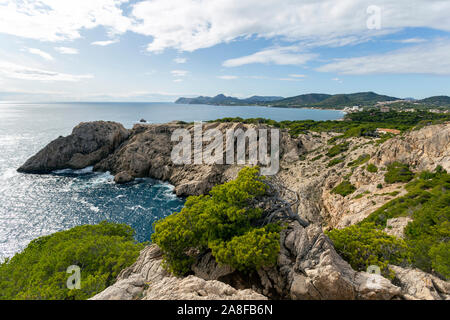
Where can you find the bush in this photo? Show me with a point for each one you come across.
(364, 245)
(344, 188)
(39, 271)
(372, 168)
(223, 221)
(337, 149)
(334, 162)
(427, 203)
(361, 160)
(398, 172)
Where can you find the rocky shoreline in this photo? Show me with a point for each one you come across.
(308, 265)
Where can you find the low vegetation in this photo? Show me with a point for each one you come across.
(398, 172)
(225, 223)
(39, 271)
(358, 124)
(359, 161)
(363, 245)
(344, 188)
(335, 162)
(337, 149)
(426, 243)
(372, 168)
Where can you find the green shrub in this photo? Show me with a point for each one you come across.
(427, 203)
(39, 271)
(361, 160)
(398, 172)
(440, 258)
(364, 245)
(337, 149)
(317, 157)
(372, 168)
(334, 162)
(359, 196)
(344, 188)
(223, 221)
(256, 248)
(379, 186)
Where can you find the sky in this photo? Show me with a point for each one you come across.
(158, 50)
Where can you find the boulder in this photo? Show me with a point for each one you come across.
(123, 177)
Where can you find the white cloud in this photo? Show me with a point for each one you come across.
(40, 53)
(15, 71)
(180, 60)
(177, 80)
(337, 80)
(297, 76)
(58, 20)
(412, 40)
(432, 58)
(288, 79)
(227, 77)
(179, 73)
(188, 25)
(290, 55)
(67, 50)
(104, 42)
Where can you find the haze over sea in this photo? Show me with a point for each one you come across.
(36, 205)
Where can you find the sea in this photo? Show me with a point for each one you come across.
(35, 205)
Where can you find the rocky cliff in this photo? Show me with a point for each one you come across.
(308, 265)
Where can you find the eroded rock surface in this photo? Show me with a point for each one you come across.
(419, 285)
(89, 143)
(147, 280)
(308, 267)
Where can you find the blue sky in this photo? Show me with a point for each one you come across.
(157, 50)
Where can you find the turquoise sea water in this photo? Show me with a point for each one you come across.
(36, 205)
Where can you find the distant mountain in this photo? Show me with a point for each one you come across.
(436, 101)
(337, 100)
(262, 99)
(221, 99)
(304, 99)
(319, 100)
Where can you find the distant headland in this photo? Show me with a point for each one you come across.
(324, 101)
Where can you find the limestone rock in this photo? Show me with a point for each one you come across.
(424, 149)
(147, 280)
(396, 226)
(89, 143)
(417, 284)
(308, 268)
(123, 177)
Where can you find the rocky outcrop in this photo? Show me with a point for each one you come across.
(308, 268)
(89, 143)
(313, 179)
(423, 149)
(144, 151)
(147, 280)
(419, 285)
(147, 153)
